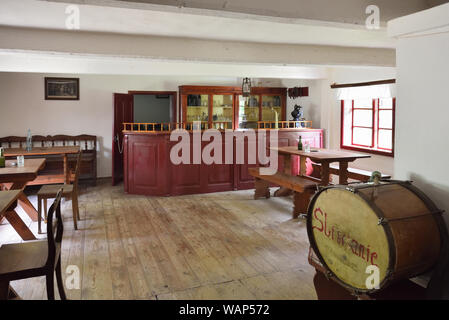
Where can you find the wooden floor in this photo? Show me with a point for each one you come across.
(212, 246)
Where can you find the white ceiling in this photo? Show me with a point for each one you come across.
(345, 11)
(259, 38)
(431, 21)
(43, 62)
(147, 19)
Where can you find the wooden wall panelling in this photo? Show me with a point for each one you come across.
(220, 177)
(147, 165)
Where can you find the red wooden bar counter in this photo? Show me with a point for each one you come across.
(149, 171)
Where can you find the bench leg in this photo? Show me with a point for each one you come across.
(262, 189)
(282, 192)
(301, 202)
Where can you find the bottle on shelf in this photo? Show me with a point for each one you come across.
(299, 143)
(2, 158)
(29, 143)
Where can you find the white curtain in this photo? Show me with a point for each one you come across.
(367, 92)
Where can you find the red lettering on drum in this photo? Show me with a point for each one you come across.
(316, 217)
(357, 248)
(373, 257)
(340, 237)
(354, 245)
(325, 226)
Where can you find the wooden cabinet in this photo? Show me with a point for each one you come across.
(222, 107)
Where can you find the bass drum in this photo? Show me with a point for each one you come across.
(392, 227)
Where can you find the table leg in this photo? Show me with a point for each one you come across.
(66, 169)
(18, 225)
(284, 192)
(26, 205)
(343, 174)
(303, 166)
(324, 173)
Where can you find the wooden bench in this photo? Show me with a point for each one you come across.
(303, 189)
(53, 171)
(353, 173)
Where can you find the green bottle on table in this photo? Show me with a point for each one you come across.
(300, 143)
(2, 158)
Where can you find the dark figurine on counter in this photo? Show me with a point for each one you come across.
(297, 114)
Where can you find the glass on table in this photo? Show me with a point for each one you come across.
(20, 161)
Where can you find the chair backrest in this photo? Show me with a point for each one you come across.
(77, 170)
(87, 143)
(55, 229)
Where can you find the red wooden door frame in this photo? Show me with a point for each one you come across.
(123, 112)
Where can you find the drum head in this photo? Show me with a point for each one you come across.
(344, 231)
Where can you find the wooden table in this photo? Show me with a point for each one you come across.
(16, 178)
(64, 151)
(322, 156)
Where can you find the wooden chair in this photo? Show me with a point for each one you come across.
(37, 258)
(68, 191)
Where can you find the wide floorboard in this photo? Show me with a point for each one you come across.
(212, 246)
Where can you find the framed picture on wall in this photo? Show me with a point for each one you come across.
(62, 88)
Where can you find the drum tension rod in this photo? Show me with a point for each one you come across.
(383, 220)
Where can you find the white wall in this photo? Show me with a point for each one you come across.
(422, 144)
(311, 104)
(331, 111)
(22, 104)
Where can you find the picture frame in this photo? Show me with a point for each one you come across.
(62, 88)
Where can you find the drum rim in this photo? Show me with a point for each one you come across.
(387, 229)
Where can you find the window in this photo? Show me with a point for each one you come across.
(368, 125)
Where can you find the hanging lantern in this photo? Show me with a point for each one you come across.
(246, 87)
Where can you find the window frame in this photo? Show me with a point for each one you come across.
(375, 128)
(373, 111)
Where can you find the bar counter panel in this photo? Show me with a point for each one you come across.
(149, 171)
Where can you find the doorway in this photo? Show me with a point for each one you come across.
(141, 107)
(154, 106)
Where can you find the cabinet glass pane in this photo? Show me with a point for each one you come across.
(197, 107)
(248, 112)
(270, 106)
(222, 111)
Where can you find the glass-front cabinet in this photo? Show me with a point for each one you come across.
(222, 111)
(197, 107)
(248, 114)
(222, 107)
(271, 108)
